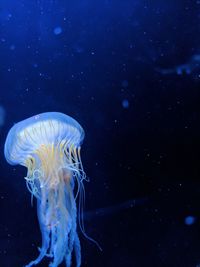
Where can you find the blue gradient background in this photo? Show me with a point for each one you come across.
(129, 73)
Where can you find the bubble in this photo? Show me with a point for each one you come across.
(57, 30)
(189, 220)
(125, 103)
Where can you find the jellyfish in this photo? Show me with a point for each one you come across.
(49, 145)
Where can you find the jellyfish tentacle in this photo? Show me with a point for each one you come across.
(45, 237)
(72, 233)
(81, 216)
(61, 231)
(77, 250)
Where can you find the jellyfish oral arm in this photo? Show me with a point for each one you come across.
(57, 218)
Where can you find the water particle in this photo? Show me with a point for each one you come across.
(125, 103)
(189, 220)
(57, 30)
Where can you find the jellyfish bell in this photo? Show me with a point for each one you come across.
(43, 130)
(49, 146)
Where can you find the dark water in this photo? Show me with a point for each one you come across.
(129, 73)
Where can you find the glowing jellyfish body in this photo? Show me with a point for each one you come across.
(49, 146)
